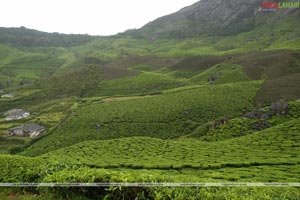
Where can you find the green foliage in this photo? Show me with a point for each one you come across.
(234, 128)
(159, 193)
(143, 68)
(170, 115)
(36, 54)
(11, 145)
(294, 109)
(266, 156)
(227, 193)
(223, 73)
(80, 82)
(94, 139)
(23, 37)
(25, 169)
(147, 82)
(279, 145)
(19, 169)
(237, 127)
(23, 67)
(102, 50)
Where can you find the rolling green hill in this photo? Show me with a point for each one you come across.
(28, 54)
(280, 145)
(237, 127)
(265, 156)
(190, 97)
(23, 37)
(226, 73)
(17, 166)
(170, 115)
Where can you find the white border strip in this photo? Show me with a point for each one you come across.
(225, 184)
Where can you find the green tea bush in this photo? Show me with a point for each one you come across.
(165, 116)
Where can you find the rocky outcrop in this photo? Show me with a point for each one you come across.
(209, 17)
(278, 108)
(206, 16)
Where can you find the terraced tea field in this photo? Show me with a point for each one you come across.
(276, 146)
(166, 103)
(147, 82)
(266, 156)
(170, 115)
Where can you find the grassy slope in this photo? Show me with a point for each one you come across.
(22, 169)
(26, 64)
(277, 34)
(224, 73)
(23, 65)
(279, 68)
(266, 156)
(284, 35)
(280, 145)
(241, 126)
(144, 83)
(169, 115)
(274, 151)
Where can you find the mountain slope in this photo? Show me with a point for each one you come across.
(205, 16)
(206, 28)
(166, 103)
(165, 116)
(23, 37)
(217, 17)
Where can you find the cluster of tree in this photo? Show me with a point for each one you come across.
(23, 37)
(77, 82)
(97, 59)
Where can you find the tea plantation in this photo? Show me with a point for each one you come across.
(271, 155)
(156, 105)
(166, 116)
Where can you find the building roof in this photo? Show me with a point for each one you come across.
(27, 128)
(19, 113)
(32, 127)
(7, 96)
(12, 111)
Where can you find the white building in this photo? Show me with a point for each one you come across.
(7, 96)
(17, 115)
(31, 130)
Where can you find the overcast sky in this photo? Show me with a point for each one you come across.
(95, 17)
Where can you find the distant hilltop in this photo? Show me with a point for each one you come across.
(212, 17)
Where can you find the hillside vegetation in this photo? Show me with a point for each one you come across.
(170, 115)
(208, 94)
(28, 54)
(279, 144)
(267, 156)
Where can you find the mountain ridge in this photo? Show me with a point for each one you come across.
(206, 17)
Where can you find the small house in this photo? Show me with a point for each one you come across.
(17, 115)
(7, 96)
(31, 130)
(12, 111)
(16, 132)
